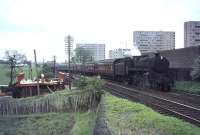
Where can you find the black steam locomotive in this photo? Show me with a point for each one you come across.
(148, 71)
(145, 71)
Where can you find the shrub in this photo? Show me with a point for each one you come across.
(93, 84)
(81, 83)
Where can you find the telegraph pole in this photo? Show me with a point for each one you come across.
(54, 66)
(38, 87)
(68, 47)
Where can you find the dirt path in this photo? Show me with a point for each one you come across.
(101, 126)
(69, 126)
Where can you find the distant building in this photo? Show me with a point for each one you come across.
(150, 41)
(119, 53)
(98, 50)
(191, 33)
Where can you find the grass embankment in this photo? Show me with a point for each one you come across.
(188, 86)
(129, 118)
(49, 124)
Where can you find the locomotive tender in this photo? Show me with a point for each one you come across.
(147, 71)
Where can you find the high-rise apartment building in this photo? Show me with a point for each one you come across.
(150, 41)
(191, 33)
(97, 50)
(119, 53)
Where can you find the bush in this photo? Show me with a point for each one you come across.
(81, 83)
(47, 71)
(93, 84)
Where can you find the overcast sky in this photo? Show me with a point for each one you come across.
(42, 24)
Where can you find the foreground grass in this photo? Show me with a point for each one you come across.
(125, 117)
(49, 124)
(188, 86)
(85, 123)
(45, 124)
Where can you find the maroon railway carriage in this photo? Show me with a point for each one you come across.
(90, 68)
(105, 68)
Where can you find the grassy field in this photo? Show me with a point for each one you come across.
(4, 72)
(128, 118)
(49, 124)
(188, 86)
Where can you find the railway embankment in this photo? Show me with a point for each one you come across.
(188, 87)
(124, 117)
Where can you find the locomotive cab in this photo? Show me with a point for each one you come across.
(121, 69)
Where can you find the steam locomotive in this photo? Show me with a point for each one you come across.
(147, 71)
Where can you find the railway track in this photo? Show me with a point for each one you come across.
(159, 103)
(180, 97)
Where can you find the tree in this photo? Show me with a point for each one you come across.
(82, 55)
(15, 55)
(14, 58)
(195, 73)
(47, 71)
